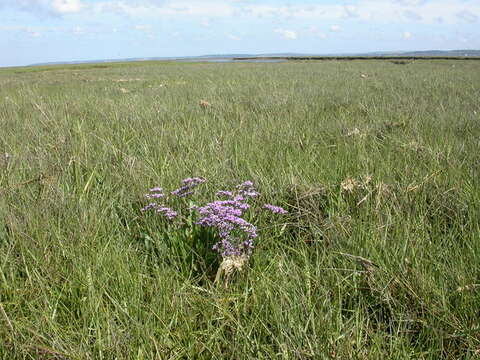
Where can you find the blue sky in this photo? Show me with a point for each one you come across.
(33, 31)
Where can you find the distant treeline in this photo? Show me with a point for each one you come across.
(399, 58)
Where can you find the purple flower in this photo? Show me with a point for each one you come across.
(228, 194)
(154, 196)
(225, 216)
(275, 209)
(149, 206)
(188, 185)
(167, 212)
(155, 193)
(156, 189)
(246, 189)
(193, 181)
(246, 184)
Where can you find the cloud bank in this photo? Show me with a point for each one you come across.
(286, 34)
(381, 11)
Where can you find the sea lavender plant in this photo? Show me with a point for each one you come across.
(225, 217)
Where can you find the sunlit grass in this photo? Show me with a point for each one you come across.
(379, 254)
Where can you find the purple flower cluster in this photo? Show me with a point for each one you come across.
(150, 206)
(228, 194)
(167, 212)
(247, 190)
(155, 193)
(275, 209)
(187, 187)
(225, 217)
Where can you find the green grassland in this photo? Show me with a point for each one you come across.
(377, 163)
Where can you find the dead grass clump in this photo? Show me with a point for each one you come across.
(355, 132)
(5, 159)
(358, 191)
(351, 185)
(204, 104)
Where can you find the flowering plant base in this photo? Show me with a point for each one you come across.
(229, 265)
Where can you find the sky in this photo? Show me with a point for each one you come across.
(38, 31)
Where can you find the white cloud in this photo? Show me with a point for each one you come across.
(286, 34)
(468, 16)
(144, 28)
(418, 11)
(205, 23)
(335, 28)
(78, 30)
(233, 37)
(407, 35)
(31, 31)
(379, 11)
(67, 6)
(298, 11)
(371, 11)
(316, 32)
(34, 34)
(411, 15)
(166, 9)
(411, 2)
(45, 7)
(351, 11)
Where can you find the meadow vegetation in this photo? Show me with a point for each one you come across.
(377, 165)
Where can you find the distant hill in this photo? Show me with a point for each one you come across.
(460, 53)
(427, 53)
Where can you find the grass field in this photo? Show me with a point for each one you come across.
(377, 163)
